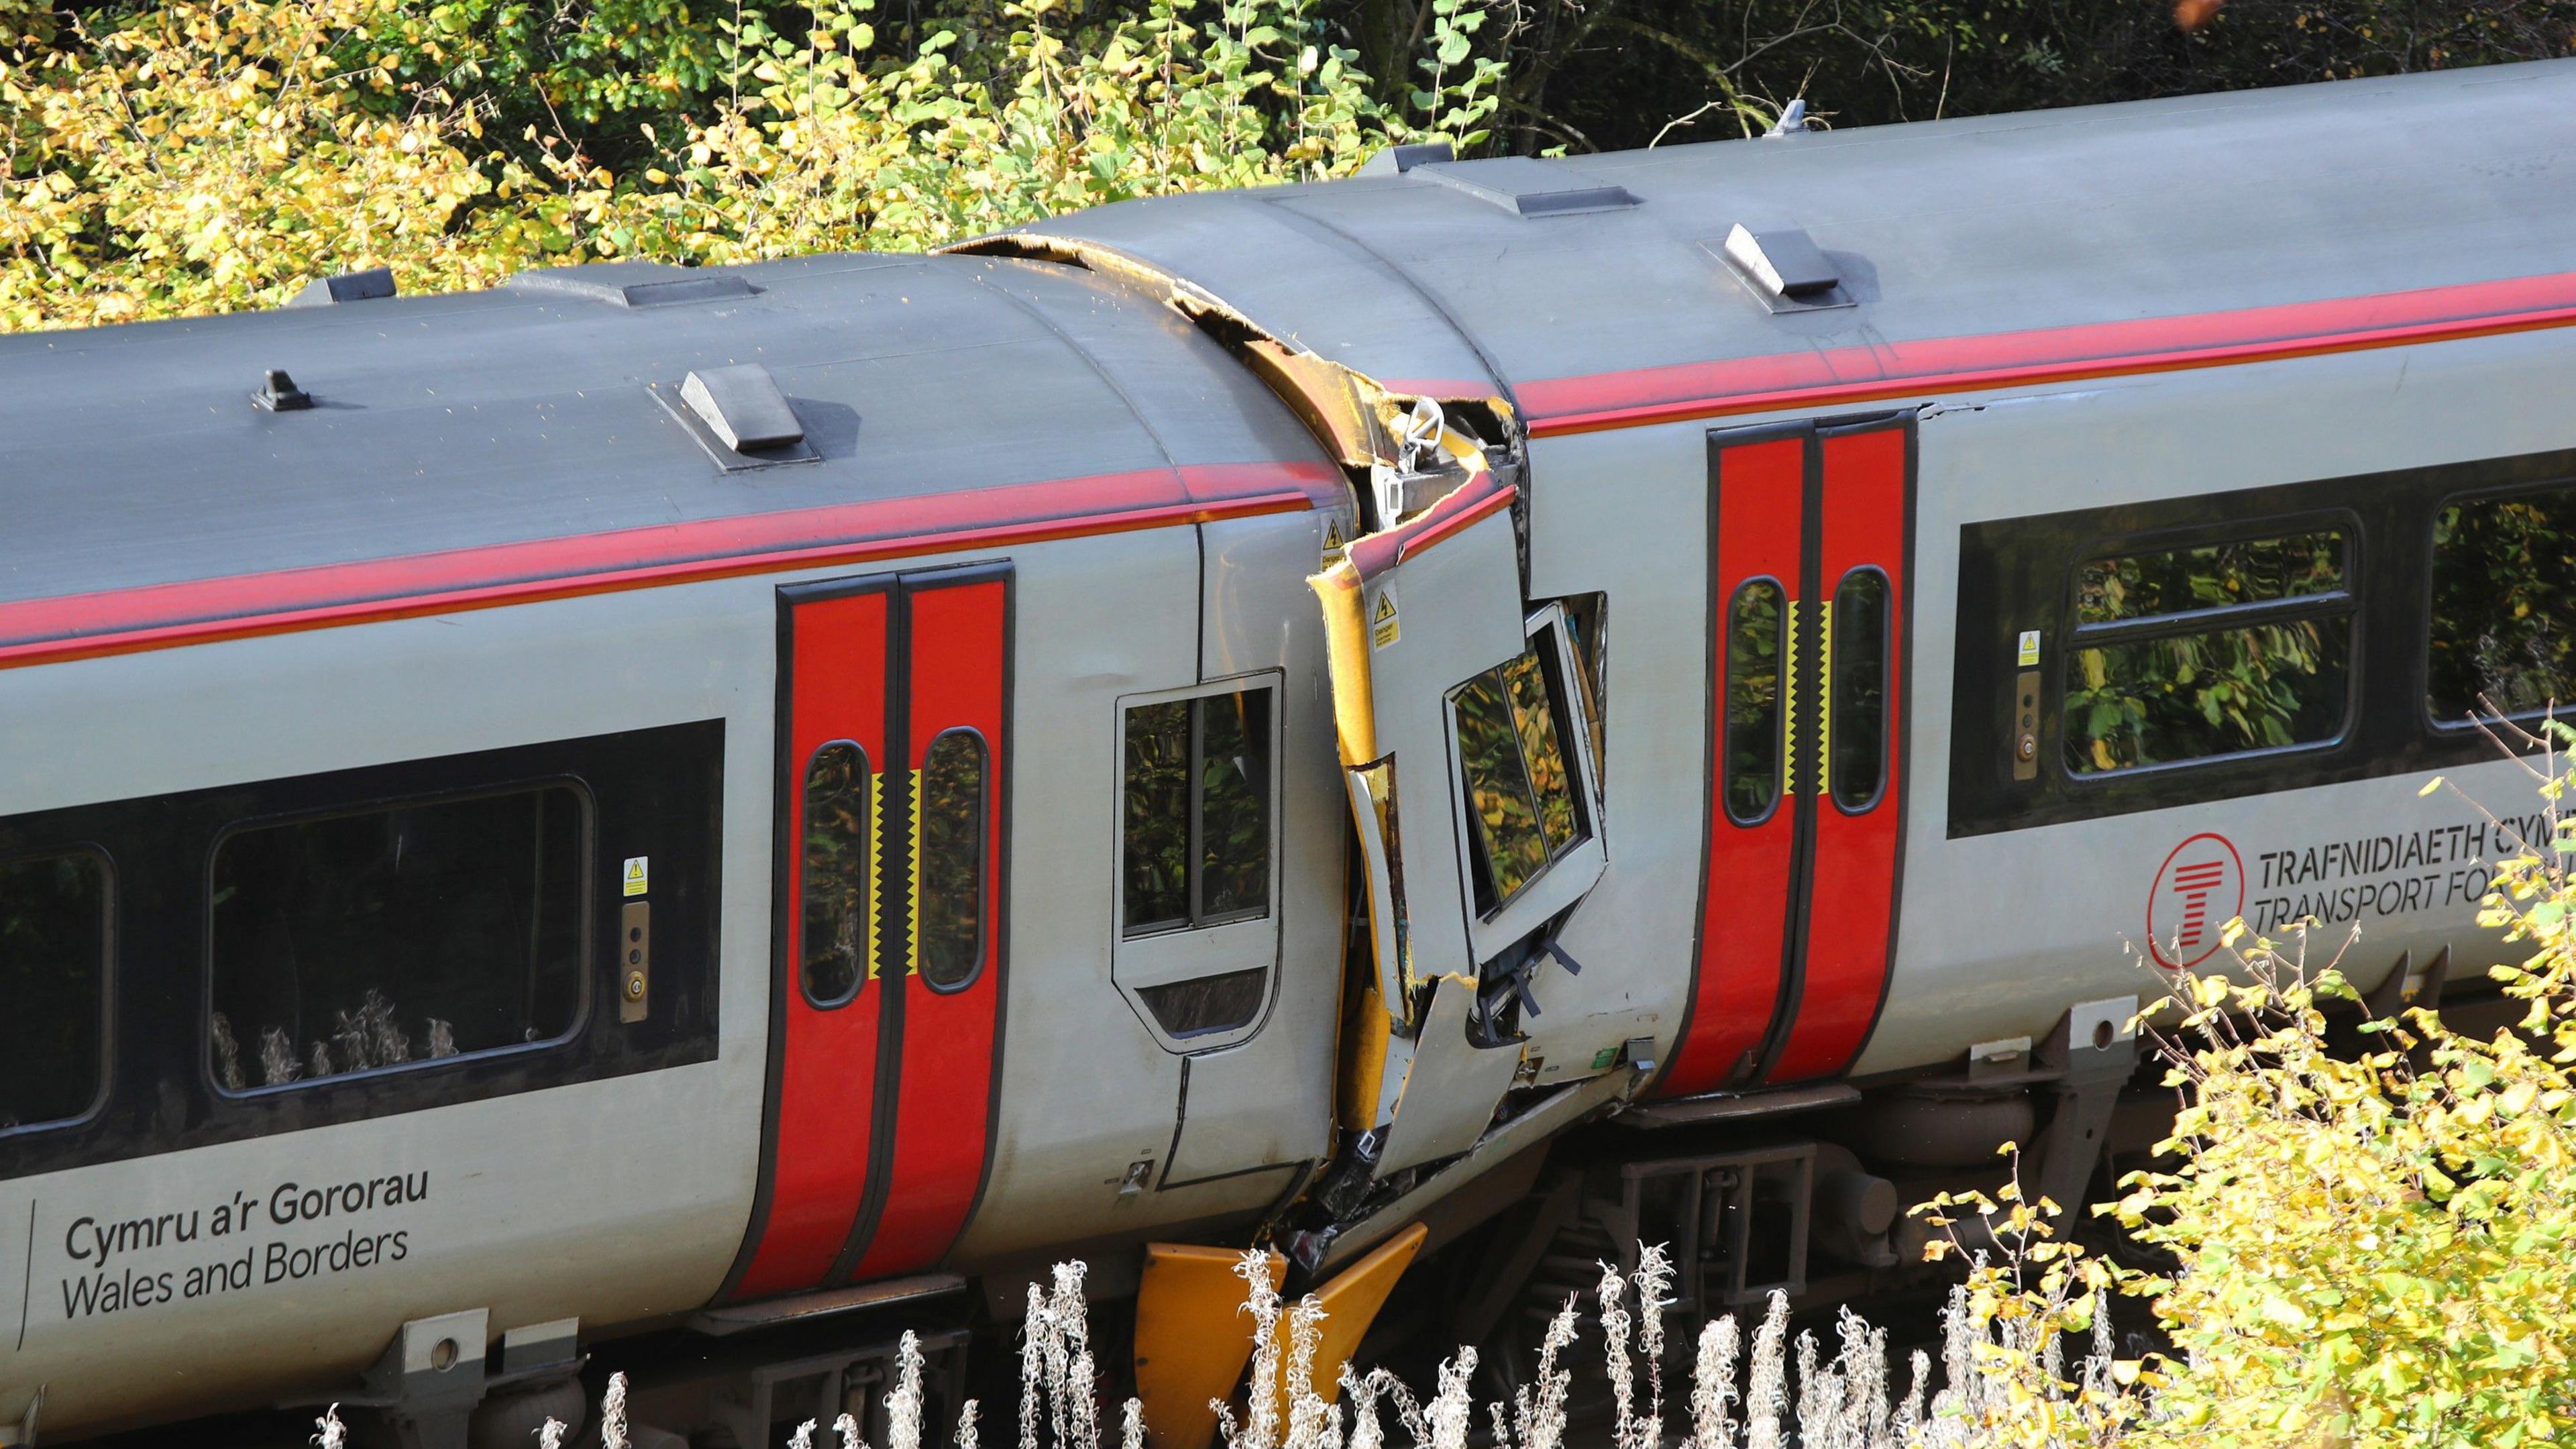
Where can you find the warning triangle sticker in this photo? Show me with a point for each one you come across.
(1385, 607)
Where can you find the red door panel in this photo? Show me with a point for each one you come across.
(836, 675)
(958, 643)
(880, 1105)
(1851, 911)
(1798, 907)
(1758, 514)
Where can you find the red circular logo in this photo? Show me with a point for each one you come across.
(2199, 889)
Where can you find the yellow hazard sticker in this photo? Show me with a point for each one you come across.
(1383, 629)
(1333, 541)
(635, 874)
(2029, 648)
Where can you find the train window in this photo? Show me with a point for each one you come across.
(2199, 653)
(1857, 725)
(839, 941)
(53, 987)
(2504, 596)
(1196, 804)
(1753, 640)
(951, 866)
(1519, 773)
(373, 939)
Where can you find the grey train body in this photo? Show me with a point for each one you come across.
(503, 552)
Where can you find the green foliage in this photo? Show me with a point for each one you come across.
(214, 154)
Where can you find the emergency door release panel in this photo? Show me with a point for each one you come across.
(1475, 805)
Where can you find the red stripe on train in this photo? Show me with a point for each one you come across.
(161, 616)
(1844, 375)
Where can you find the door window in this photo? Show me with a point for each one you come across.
(1856, 723)
(1754, 635)
(839, 942)
(53, 986)
(2199, 653)
(1195, 807)
(410, 933)
(952, 859)
(2504, 604)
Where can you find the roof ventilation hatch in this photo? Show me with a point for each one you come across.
(365, 286)
(1396, 160)
(1782, 267)
(739, 416)
(1527, 186)
(632, 284)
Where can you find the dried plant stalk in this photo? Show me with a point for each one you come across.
(1713, 1396)
(612, 1414)
(903, 1406)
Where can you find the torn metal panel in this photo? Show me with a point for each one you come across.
(1452, 1086)
(1361, 422)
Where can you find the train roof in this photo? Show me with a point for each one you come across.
(2018, 224)
(938, 395)
(526, 426)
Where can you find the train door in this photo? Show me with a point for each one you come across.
(1468, 761)
(886, 1006)
(1810, 553)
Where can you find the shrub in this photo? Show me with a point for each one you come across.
(209, 155)
(2375, 1247)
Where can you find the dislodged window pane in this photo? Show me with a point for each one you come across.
(2174, 581)
(1157, 795)
(1534, 719)
(382, 937)
(1753, 700)
(1509, 847)
(952, 859)
(1858, 724)
(840, 875)
(53, 981)
(1234, 810)
(2504, 606)
(2193, 696)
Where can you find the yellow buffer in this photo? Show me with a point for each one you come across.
(1351, 1302)
(1192, 1339)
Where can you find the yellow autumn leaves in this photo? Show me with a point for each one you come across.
(210, 155)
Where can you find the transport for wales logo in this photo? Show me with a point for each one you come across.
(2198, 890)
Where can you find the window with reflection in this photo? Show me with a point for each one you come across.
(1519, 767)
(838, 931)
(1754, 641)
(2503, 639)
(404, 934)
(951, 865)
(2204, 652)
(53, 986)
(1857, 725)
(1195, 812)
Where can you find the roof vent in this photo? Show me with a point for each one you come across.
(1527, 186)
(739, 416)
(1792, 122)
(366, 286)
(279, 394)
(633, 284)
(1396, 160)
(1782, 267)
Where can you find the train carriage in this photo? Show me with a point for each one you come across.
(1691, 692)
